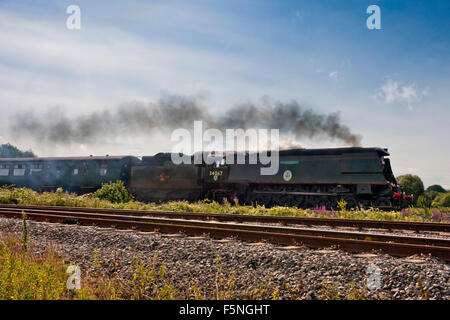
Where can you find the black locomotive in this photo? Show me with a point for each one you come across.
(306, 177)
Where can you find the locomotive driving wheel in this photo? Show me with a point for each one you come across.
(351, 202)
(310, 202)
(325, 201)
(298, 201)
(383, 203)
(262, 199)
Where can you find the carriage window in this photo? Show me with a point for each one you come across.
(36, 167)
(75, 171)
(103, 169)
(4, 170)
(19, 170)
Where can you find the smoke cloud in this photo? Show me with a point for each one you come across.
(172, 112)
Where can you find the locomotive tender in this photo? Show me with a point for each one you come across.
(306, 178)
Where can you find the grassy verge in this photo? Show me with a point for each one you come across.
(25, 196)
(25, 275)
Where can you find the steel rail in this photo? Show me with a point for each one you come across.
(328, 233)
(224, 230)
(332, 222)
(251, 227)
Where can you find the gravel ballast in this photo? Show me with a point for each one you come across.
(298, 272)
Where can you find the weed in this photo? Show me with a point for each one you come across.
(342, 204)
(424, 294)
(24, 231)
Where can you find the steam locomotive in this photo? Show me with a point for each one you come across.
(306, 177)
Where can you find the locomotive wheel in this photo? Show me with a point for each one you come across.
(262, 199)
(333, 203)
(286, 201)
(323, 202)
(383, 202)
(310, 202)
(327, 202)
(291, 201)
(366, 204)
(298, 201)
(276, 199)
(351, 202)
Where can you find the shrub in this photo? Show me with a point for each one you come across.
(431, 195)
(411, 185)
(442, 200)
(423, 202)
(114, 192)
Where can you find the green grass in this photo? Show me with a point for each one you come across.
(24, 196)
(25, 275)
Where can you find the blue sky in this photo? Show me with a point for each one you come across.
(390, 85)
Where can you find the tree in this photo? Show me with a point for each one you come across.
(437, 188)
(411, 184)
(9, 151)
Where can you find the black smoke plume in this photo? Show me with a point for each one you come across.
(172, 112)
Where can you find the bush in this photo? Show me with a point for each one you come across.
(431, 195)
(114, 192)
(423, 202)
(442, 200)
(411, 185)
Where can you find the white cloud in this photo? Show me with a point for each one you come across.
(333, 75)
(43, 64)
(394, 92)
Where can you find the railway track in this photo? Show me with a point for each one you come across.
(195, 224)
(285, 220)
